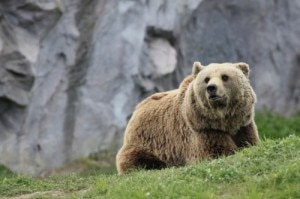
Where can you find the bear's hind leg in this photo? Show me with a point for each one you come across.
(132, 158)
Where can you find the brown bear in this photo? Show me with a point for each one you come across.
(210, 114)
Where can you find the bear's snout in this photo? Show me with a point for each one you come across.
(212, 89)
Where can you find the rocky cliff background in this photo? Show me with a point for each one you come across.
(71, 71)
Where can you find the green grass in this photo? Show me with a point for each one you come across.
(270, 170)
(273, 126)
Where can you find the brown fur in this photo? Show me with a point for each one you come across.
(184, 126)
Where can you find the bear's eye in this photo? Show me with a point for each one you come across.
(225, 78)
(206, 80)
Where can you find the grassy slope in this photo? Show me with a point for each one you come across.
(270, 170)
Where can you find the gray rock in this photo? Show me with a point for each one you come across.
(72, 71)
(262, 34)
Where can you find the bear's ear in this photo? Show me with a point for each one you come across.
(244, 68)
(197, 67)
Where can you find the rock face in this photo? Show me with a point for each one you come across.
(72, 71)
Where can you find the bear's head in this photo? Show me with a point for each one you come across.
(223, 86)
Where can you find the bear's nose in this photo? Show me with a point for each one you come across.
(211, 89)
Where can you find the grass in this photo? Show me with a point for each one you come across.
(273, 126)
(270, 170)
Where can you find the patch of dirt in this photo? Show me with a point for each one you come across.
(52, 194)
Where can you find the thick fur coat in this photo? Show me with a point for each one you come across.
(210, 114)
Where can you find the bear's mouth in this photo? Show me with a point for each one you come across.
(215, 98)
(217, 101)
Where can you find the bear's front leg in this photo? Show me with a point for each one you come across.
(246, 136)
(132, 158)
(217, 143)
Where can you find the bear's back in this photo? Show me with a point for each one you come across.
(152, 116)
(159, 113)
